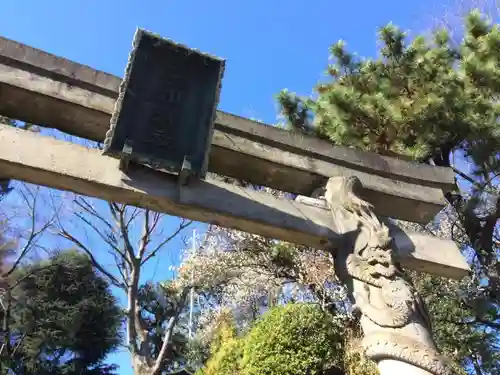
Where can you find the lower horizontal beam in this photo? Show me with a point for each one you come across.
(62, 165)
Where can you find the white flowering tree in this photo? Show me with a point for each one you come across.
(246, 274)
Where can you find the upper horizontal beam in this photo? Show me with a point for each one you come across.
(47, 90)
(62, 165)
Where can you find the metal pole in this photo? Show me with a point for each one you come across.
(191, 297)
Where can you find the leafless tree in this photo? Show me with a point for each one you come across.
(117, 228)
(22, 225)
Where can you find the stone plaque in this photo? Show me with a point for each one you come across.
(166, 107)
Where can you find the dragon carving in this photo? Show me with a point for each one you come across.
(394, 319)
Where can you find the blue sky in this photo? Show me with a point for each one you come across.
(269, 45)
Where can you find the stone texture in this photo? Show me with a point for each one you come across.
(62, 165)
(395, 322)
(166, 105)
(48, 90)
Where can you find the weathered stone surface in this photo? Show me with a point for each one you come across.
(41, 88)
(166, 106)
(62, 165)
(394, 319)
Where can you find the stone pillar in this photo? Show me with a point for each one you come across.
(396, 327)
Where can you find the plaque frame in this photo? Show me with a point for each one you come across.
(187, 125)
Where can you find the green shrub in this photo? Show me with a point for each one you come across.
(355, 361)
(227, 352)
(227, 360)
(293, 339)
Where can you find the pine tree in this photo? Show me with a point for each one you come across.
(63, 319)
(430, 101)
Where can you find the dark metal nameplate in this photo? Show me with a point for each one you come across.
(166, 106)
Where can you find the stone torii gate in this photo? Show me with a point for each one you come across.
(170, 90)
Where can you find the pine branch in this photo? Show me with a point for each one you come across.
(476, 320)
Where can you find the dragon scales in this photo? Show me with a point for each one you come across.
(394, 319)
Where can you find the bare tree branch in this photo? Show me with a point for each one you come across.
(146, 236)
(119, 215)
(465, 176)
(31, 202)
(63, 233)
(169, 332)
(117, 232)
(122, 267)
(183, 225)
(133, 215)
(109, 241)
(87, 207)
